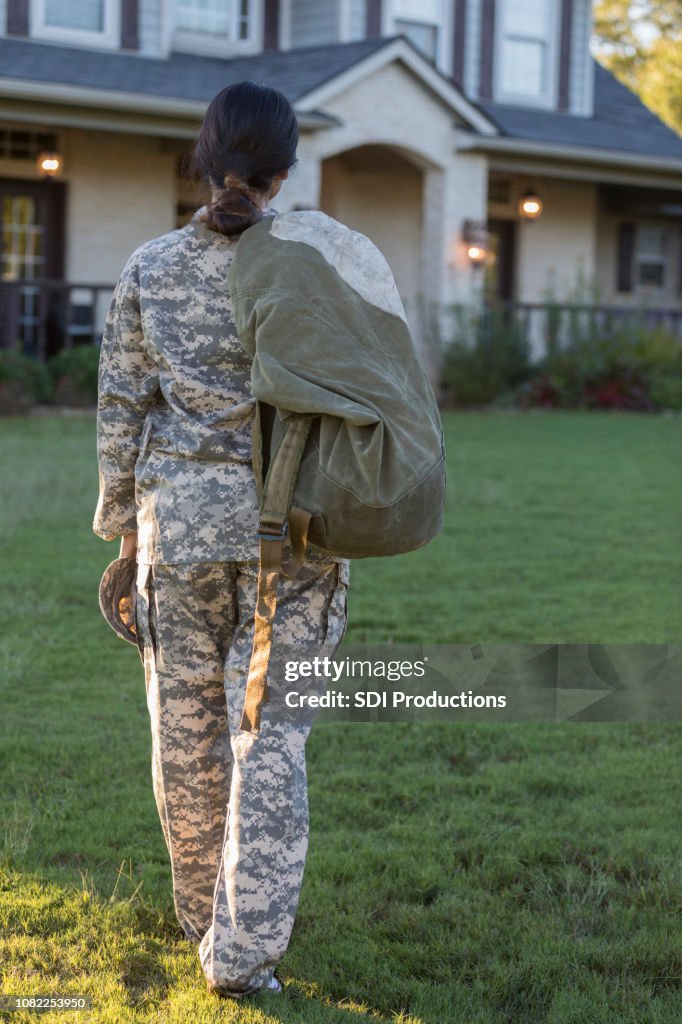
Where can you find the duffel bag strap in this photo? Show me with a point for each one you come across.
(276, 502)
(299, 524)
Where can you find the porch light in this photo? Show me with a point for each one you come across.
(49, 164)
(477, 254)
(530, 205)
(475, 236)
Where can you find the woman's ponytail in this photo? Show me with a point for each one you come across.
(248, 136)
(233, 207)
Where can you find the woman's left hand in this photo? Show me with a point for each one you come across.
(128, 545)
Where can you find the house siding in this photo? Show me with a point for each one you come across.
(358, 19)
(581, 87)
(557, 253)
(313, 22)
(137, 176)
(151, 28)
(472, 48)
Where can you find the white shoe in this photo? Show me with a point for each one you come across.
(274, 985)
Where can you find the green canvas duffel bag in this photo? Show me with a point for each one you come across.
(348, 448)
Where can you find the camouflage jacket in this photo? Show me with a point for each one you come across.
(175, 410)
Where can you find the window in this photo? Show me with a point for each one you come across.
(87, 15)
(17, 144)
(422, 22)
(651, 249)
(22, 238)
(526, 50)
(226, 20)
(499, 189)
(90, 21)
(643, 261)
(422, 35)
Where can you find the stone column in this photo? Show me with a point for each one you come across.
(302, 187)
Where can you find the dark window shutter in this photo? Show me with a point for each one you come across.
(565, 54)
(55, 192)
(373, 19)
(17, 17)
(626, 255)
(458, 42)
(485, 84)
(130, 32)
(271, 25)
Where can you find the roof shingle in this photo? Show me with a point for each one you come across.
(181, 75)
(620, 122)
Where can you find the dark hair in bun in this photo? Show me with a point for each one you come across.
(248, 136)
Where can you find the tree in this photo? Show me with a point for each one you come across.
(641, 43)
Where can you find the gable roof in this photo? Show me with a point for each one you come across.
(400, 48)
(182, 76)
(620, 122)
(184, 83)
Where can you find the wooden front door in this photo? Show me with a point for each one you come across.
(31, 249)
(499, 270)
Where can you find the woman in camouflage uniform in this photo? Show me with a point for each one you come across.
(174, 420)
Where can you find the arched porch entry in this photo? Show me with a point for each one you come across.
(380, 190)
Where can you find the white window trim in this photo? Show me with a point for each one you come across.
(210, 46)
(550, 99)
(443, 24)
(109, 38)
(343, 21)
(285, 24)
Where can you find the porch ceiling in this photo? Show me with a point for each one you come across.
(641, 202)
(543, 163)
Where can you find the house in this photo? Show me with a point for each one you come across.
(475, 141)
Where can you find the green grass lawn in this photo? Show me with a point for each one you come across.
(472, 874)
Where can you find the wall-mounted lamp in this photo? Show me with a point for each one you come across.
(475, 236)
(49, 164)
(530, 205)
(477, 254)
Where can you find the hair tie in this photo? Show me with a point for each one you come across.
(233, 182)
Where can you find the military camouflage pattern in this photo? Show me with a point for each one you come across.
(233, 805)
(175, 409)
(174, 425)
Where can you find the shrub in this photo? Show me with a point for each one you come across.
(656, 347)
(74, 371)
(23, 381)
(596, 360)
(665, 389)
(628, 367)
(487, 359)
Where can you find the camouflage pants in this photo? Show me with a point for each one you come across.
(233, 806)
